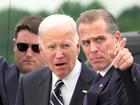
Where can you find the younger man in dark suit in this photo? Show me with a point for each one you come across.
(105, 50)
(27, 58)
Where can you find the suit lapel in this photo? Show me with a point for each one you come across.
(84, 82)
(96, 89)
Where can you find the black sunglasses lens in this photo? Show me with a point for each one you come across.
(35, 48)
(22, 46)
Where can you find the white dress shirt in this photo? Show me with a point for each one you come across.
(103, 72)
(70, 82)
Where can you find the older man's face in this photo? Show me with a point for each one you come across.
(60, 48)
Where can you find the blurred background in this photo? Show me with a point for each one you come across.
(127, 13)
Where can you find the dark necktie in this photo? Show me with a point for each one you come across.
(88, 99)
(99, 76)
(56, 97)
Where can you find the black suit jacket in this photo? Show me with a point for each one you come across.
(115, 88)
(131, 80)
(8, 82)
(35, 88)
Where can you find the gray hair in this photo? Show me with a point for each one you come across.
(56, 20)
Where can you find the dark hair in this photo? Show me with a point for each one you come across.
(30, 23)
(91, 16)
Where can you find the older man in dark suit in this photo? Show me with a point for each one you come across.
(59, 40)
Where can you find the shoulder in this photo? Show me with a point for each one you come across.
(87, 68)
(36, 75)
(4, 66)
(135, 73)
(88, 72)
(136, 66)
(3, 63)
(2, 58)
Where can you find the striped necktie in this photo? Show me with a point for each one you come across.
(56, 97)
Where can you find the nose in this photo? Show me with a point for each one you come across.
(93, 47)
(59, 53)
(29, 52)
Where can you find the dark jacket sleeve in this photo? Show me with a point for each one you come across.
(131, 80)
(3, 67)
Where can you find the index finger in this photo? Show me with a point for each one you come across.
(121, 45)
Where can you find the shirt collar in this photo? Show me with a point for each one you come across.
(104, 71)
(71, 79)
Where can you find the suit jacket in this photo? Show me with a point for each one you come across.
(35, 88)
(131, 80)
(115, 88)
(8, 82)
(1, 100)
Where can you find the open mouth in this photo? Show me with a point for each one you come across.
(60, 64)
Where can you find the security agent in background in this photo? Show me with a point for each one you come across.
(27, 58)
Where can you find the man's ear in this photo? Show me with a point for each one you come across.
(118, 36)
(14, 44)
(40, 48)
(79, 48)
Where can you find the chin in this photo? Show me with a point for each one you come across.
(27, 70)
(99, 67)
(62, 74)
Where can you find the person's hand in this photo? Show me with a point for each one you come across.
(122, 57)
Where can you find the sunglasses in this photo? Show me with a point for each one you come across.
(22, 47)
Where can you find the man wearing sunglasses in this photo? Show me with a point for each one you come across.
(27, 58)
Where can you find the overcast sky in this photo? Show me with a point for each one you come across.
(114, 6)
